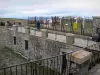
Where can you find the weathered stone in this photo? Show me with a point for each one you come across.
(70, 39)
(81, 56)
(44, 33)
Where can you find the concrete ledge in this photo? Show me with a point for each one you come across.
(43, 29)
(70, 34)
(75, 35)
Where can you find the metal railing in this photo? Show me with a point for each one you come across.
(81, 31)
(56, 25)
(95, 58)
(50, 66)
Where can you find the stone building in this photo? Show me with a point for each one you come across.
(33, 47)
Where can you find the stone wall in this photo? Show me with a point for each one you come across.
(2, 39)
(38, 47)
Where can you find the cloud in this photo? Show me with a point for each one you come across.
(34, 12)
(18, 8)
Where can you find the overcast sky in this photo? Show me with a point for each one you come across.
(24, 8)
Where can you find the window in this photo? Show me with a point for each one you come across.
(26, 44)
(14, 40)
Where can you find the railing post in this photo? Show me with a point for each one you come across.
(4, 71)
(16, 69)
(47, 66)
(31, 67)
(54, 65)
(10, 71)
(26, 68)
(21, 69)
(43, 67)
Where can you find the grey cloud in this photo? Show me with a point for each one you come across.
(55, 6)
(2, 12)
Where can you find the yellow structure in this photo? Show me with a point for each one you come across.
(75, 26)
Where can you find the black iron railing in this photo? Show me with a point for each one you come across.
(95, 58)
(50, 66)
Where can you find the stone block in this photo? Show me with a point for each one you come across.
(27, 29)
(15, 27)
(81, 56)
(70, 39)
(44, 33)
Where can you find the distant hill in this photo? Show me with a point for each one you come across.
(12, 20)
